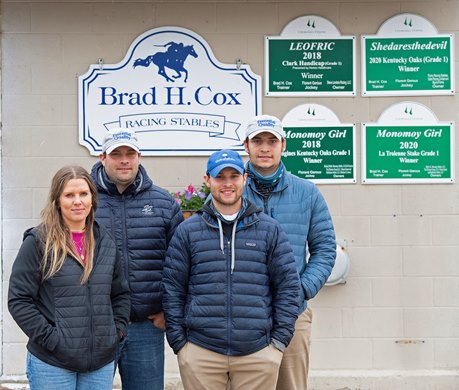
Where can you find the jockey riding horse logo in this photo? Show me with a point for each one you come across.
(173, 58)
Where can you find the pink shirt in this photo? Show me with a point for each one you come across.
(78, 240)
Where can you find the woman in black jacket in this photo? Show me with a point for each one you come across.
(67, 290)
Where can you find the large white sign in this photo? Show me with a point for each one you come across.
(173, 93)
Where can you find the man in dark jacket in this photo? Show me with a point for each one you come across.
(142, 218)
(230, 288)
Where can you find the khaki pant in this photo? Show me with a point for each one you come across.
(201, 369)
(293, 372)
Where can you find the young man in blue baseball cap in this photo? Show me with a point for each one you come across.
(230, 288)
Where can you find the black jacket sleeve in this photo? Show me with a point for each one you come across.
(23, 291)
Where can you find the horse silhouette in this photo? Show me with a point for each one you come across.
(173, 58)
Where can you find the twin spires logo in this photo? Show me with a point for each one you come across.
(408, 22)
(173, 93)
(408, 110)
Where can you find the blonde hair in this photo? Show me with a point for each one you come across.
(55, 235)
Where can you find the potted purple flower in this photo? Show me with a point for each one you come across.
(191, 199)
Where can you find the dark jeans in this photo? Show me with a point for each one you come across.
(141, 357)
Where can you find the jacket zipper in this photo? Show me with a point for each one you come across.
(228, 271)
(124, 240)
(265, 206)
(266, 209)
(91, 322)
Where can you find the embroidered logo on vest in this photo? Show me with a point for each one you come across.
(147, 210)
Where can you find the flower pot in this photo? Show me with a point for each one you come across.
(187, 213)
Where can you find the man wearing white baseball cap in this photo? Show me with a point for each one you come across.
(303, 214)
(142, 218)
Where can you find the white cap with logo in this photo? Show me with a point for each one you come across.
(119, 137)
(265, 123)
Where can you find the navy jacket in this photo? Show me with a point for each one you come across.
(142, 220)
(233, 293)
(70, 325)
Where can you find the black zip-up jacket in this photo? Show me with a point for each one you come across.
(70, 325)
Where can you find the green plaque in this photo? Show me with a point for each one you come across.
(407, 153)
(302, 67)
(407, 66)
(321, 154)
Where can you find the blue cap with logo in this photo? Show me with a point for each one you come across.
(224, 159)
(117, 137)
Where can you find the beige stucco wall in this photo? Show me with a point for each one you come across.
(402, 239)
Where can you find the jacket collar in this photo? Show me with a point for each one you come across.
(247, 215)
(280, 186)
(100, 177)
